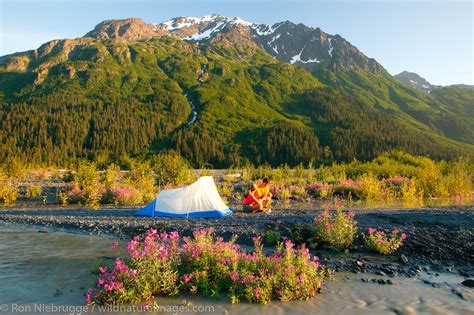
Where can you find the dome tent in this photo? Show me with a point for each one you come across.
(198, 200)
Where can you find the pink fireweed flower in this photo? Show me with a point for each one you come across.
(257, 293)
(289, 245)
(350, 214)
(132, 272)
(114, 245)
(234, 276)
(396, 231)
(372, 231)
(102, 270)
(108, 287)
(404, 236)
(88, 296)
(101, 282)
(120, 266)
(174, 235)
(118, 286)
(314, 264)
(300, 278)
(328, 226)
(187, 278)
(147, 305)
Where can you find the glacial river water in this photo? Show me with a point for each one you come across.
(47, 269)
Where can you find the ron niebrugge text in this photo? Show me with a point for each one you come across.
(84, 309)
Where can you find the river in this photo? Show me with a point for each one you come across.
(53, 268)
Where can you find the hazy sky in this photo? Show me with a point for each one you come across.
(433, 38)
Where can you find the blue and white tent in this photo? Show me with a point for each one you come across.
(198, 200)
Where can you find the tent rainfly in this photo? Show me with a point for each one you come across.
(198, 200)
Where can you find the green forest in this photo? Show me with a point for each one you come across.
(103, 100)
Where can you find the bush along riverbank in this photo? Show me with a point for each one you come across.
(392, 178)
(166, 264)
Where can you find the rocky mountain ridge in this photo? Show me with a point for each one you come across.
(310, 48)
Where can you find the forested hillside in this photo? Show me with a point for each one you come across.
(106, 98)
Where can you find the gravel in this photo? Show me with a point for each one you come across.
(439, 238)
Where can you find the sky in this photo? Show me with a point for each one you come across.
(433, 38)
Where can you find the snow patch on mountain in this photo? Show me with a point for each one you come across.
(238, 21)
(330, 47)
(264, 29)
(274, 39)
(297, 58)
(172, 25)
(207, 33)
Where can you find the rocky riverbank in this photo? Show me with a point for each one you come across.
(439, 239)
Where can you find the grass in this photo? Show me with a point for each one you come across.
(391, 177)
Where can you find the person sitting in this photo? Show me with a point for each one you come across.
(263, 195)
(251, 203)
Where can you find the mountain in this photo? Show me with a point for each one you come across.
(211, 89)
(127, 29)
(420, 83)
(415, 81)
(298, 44)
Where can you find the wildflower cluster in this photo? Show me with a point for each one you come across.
(283, 191)
(319, 189)
(166, 264)
(90, 188)
(336, 228)
(383, 244)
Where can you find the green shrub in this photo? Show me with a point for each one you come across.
(63, 198)
(383, 244)
(336, 228)
(225, 191)
(411, 196)
(171, 168)
(13, 168)
(141, 179)
(107, 197)
(34, 191)
(8, 193)
(282, 194)
(262, 171)
(87, 179)
(371, 188)
(112, 176)
(272, 237)
(300, 171)
(128, 196)
(297, 192)
(456, 180)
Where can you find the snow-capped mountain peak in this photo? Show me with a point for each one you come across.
(299, 44)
